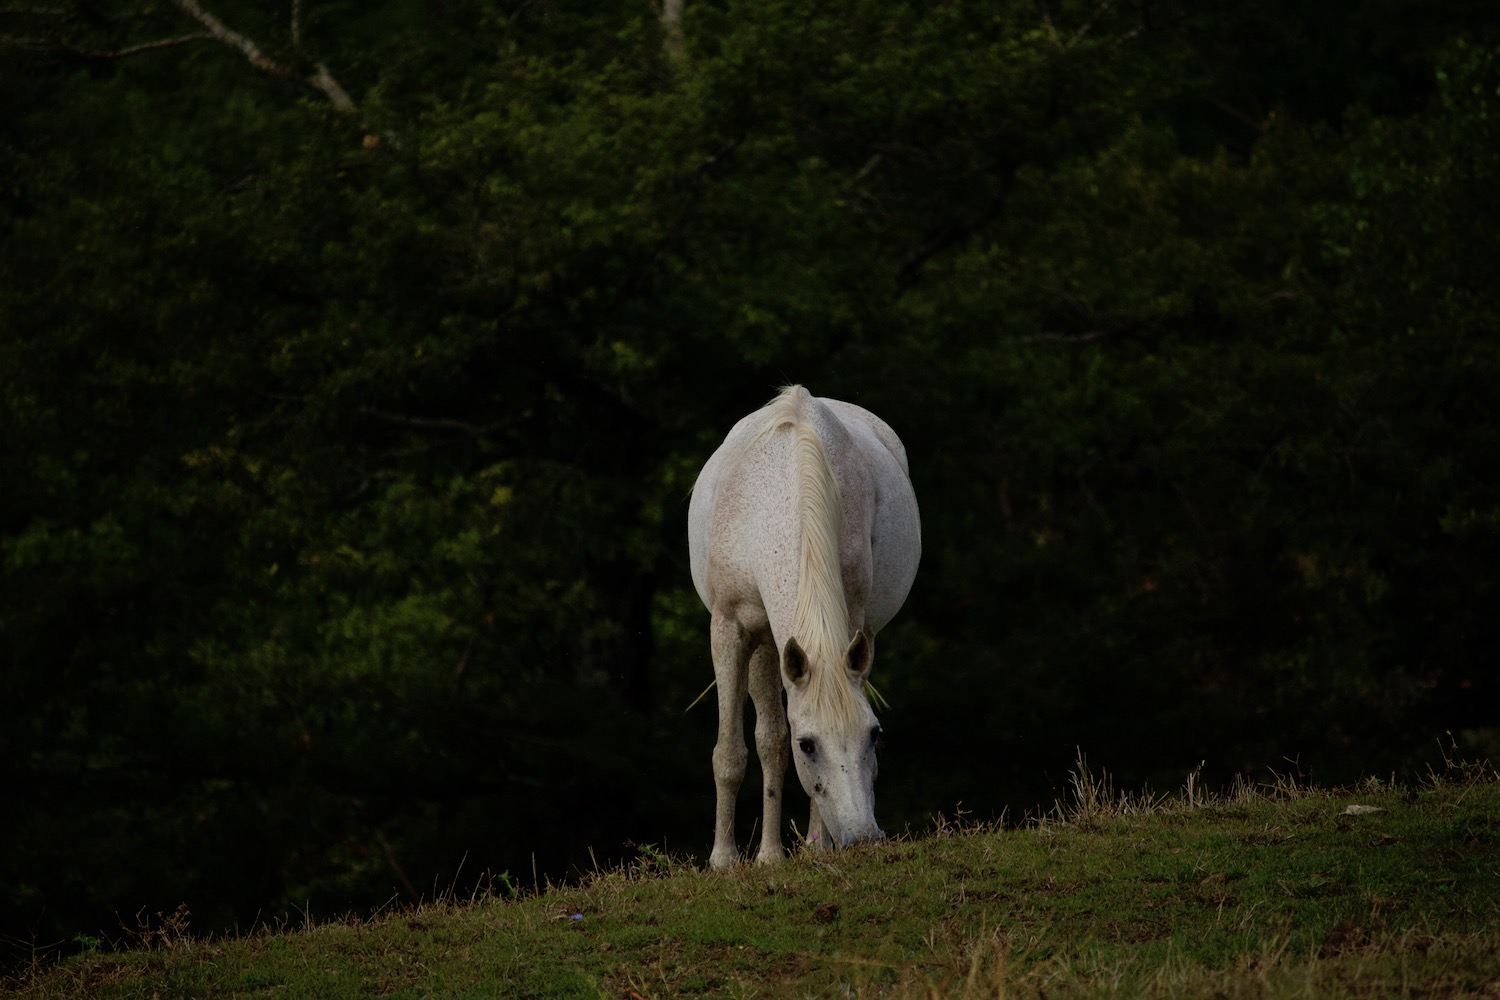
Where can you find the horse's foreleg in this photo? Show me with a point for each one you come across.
(730, 650)
(772, 745)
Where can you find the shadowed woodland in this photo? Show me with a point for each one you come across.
(356, 361)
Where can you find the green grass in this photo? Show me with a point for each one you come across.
(1279, 892)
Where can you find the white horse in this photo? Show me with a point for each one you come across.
(804, 539)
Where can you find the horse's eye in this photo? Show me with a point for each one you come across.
(807, 745)
(875, 736)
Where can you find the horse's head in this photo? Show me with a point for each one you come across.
(834, 732)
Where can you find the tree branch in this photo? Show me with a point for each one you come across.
(910, 271)
(321, 80)
(223, 33)
(1079, 35)
(337, 96)
(1138, 330)
(42, 45)
(430, 423)
(161, 43)
(1237, 114)
(864, 171)
(1067, 338)
(215, 30)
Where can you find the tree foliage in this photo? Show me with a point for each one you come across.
(347, 447)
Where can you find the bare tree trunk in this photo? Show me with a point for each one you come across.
(671, 23)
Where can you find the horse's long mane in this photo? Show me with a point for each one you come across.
(820, 622)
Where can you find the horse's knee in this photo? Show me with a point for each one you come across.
(772, 751)
(729, 762)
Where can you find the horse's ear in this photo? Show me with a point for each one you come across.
(794, 663)
(859, 655)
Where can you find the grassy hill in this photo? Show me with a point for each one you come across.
(1374, 891)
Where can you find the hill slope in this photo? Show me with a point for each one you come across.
(1374, 891)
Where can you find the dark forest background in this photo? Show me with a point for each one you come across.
(356, 360)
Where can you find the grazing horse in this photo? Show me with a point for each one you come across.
(804, 540)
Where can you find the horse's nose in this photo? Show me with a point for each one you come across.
(867, 835)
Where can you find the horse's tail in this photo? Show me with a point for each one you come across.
(792, 405)
(818, 502)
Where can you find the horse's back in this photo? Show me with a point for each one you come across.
(888, 525)
(742, 525)
(858, 417)
(728, 508)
